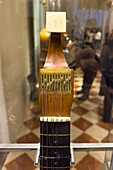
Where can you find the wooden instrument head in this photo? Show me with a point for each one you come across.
(56, 79)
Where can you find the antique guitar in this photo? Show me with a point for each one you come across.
(56, 95)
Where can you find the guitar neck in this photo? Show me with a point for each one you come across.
(55, 143)
(56, 95)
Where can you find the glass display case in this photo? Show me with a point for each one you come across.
(88, 49)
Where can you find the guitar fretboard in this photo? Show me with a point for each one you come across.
(55, 144)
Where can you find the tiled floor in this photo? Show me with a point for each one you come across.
(87, 127)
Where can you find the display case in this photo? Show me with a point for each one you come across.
(87, 46)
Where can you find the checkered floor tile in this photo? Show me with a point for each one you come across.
(87, 126)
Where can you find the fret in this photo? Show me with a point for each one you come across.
(55, 162)
(55, 152)
(55, 135)
(55, 144)
(43, 146)
(48, 157)
(47, 168)
(55, 140)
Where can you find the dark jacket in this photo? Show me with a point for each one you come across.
(108, 74)
(85, 59)
(104, 58)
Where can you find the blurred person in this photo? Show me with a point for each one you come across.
(106, 67)
(108, 75)
(78, 35)
(111, 36)
(94, 31)
(85, 33)
(97, 39)
(104, 60)
(86, 36)
(72, 32)
(84, 57)
(89, 38)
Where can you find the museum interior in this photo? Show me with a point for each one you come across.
(87, 46)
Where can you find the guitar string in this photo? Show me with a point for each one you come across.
(54, 97)
(56, 100)
(53, 118)
(46, 90)
(62, 96)
(42, 123)
(49, 89)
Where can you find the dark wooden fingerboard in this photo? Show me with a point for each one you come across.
(54, 145)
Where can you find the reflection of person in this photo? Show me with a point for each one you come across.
(111, 36)
(89, 38)
(108, 75)
(85, 59)
(97, 39)
(104, 60)
(78, 35)
(106, 66)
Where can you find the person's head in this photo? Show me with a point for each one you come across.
(98, 30)
(94, 30)
(72, 48)
(88, 29)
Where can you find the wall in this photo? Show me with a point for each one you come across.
(96, 4)
(88, 4)
(14, 49)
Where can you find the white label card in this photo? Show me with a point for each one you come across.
(56, 21)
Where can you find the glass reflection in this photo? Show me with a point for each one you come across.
(88, 49)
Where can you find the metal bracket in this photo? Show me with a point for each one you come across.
(74, 147)
(37, 158)
(72, 155)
